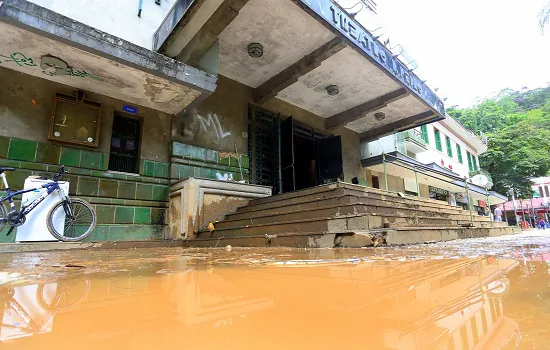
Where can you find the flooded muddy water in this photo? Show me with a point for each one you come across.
(478, 294)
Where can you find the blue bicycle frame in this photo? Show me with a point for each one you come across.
(50, 187)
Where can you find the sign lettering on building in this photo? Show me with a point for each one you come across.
(439, 191)
(355, 32)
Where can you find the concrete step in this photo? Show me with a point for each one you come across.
(362, 205)
(399, 236)
(335, 223)
(391, 216)
(332, 197)
(353, 189)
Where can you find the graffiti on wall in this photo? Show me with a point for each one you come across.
(209, 125)
(224, 177)
(21, 60)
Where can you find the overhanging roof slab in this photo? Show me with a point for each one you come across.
(336, 19)
(293, 34)
(97, 61)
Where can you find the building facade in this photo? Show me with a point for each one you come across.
(132, 98)
(433, 161)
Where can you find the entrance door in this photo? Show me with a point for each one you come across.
(290, 155)
(124, 154)
(329, 159)
(287, 155)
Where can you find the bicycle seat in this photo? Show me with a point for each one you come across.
(6, 168)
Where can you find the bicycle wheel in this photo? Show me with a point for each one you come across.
(68, 294)
(3, 217)
(76, 217)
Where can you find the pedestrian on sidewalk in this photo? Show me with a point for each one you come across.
(498, 214)
(542, 224)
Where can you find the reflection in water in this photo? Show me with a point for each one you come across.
(252, 302)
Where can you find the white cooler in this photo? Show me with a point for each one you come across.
(35, 228)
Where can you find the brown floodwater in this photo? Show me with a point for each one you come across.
(488, 294)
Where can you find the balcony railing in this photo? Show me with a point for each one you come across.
(415, 136)
(170, 21)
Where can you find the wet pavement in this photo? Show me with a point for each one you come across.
(468, 294)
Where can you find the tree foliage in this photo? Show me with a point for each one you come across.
(517, 124)
(544, 17)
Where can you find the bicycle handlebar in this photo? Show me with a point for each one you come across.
(59, 174)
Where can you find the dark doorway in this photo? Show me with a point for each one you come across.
(375, 183)
(262, 147)
(308, 158)
(290, 155)
(125, 138)
(288, 173)
(329, 159)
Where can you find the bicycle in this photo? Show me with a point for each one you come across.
(77, 216)
(17, 304)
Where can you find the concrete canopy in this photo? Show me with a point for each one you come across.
(94, 61)
(307, 46)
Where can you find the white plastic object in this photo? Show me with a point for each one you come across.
(35, 228)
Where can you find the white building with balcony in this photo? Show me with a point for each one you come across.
(433, 160)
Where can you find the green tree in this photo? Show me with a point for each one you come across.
(517, 124)
(516, 154)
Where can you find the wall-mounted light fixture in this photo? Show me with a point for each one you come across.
(255, 50)
(379, 116)
(333, 90)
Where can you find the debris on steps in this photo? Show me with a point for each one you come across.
(360, 239)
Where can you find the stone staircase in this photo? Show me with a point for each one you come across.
(346, 215)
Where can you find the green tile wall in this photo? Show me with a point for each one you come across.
(87, 186)
(115, 232)
(129, 207)
(70, 156)
(105, 214)
(124, 215)
(126, 190)
(86, 182)
(142, 215)
(22, 150)
(4, 146)
(91, 160)
(144, 192)
(160, 193)
(148, 168)
(48, 153)
(190, 160)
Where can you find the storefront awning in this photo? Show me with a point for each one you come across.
(305, 47)
(431, 174)
(42, 43)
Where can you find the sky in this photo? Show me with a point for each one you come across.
(468, 49)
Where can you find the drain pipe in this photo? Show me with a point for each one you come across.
(417, 184)
(385, 172)
(469, 200)
(488, 204)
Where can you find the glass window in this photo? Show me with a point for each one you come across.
(459, 154)
(449, 146)
(437, 135)
(470, 162)
(424, 129)
(546, 191)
